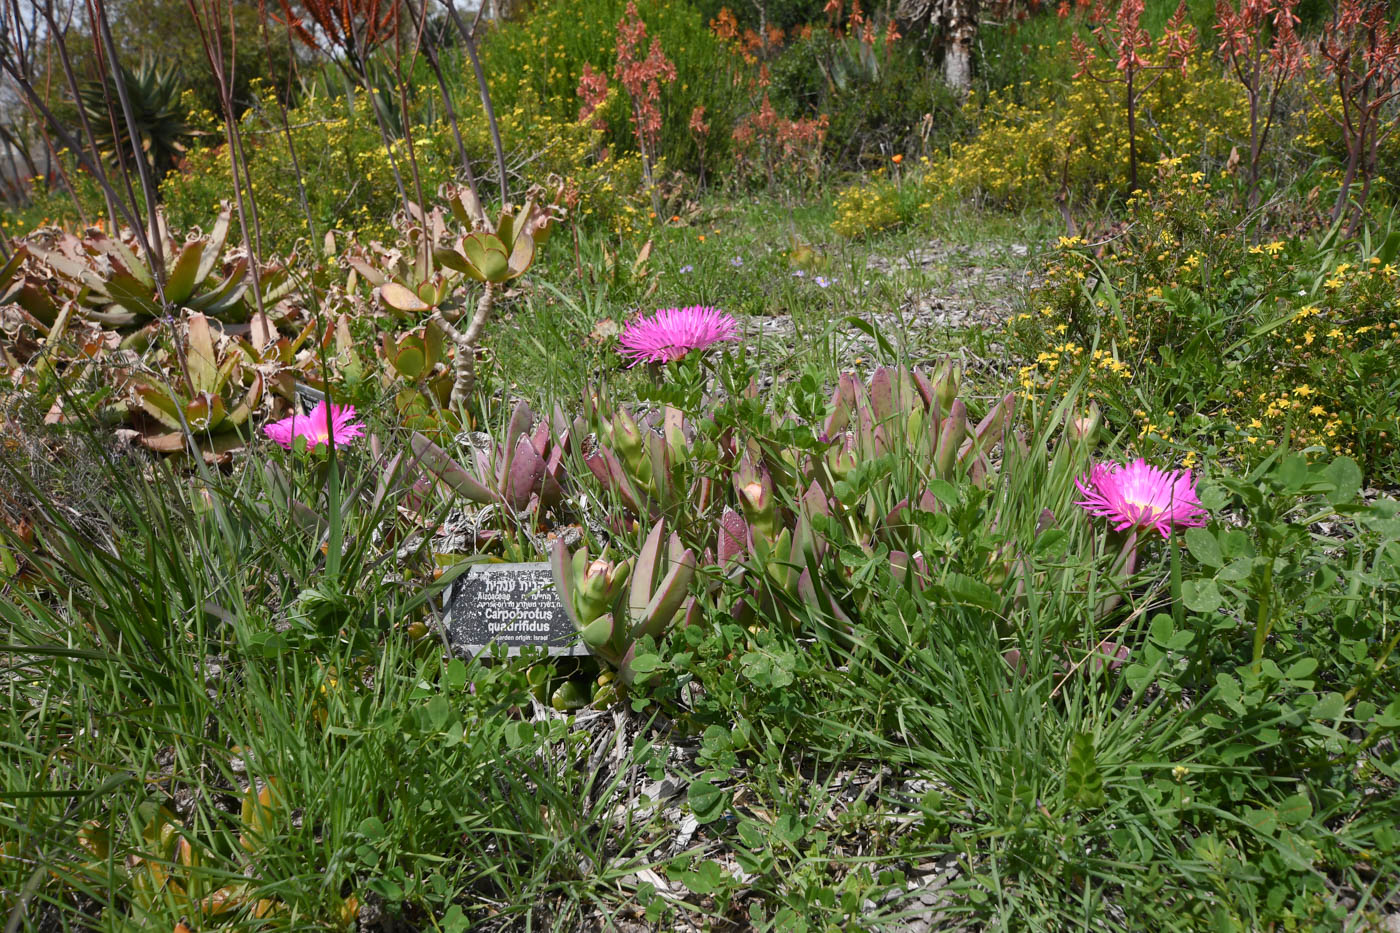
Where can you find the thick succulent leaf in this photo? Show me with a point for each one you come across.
(539, 438)
(200, 358)
(733, 536)
(248, 404)
(551, 489)
(465, 206)
(436, 461)
(609, 471)
(406, 359)
(525, 476)
(132, 294)
(882, 395)
(401, 298)
(487, 255)
(276, 283)
(951, 434)
(184, 274)
(505, 228)
(454, 260)
(372, 275)
(598, 635)
(227, 295)
(924, 387)
(669, 594)
(214, 249)
(561, 567)
(646, 572)
(522, 256)
(122, 255)
(522, 419)
(155, 400)
(205, 413)
(989, 430)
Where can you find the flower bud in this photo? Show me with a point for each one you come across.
(1085, 427)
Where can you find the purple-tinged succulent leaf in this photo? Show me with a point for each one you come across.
(539, 438)
(561, 567)
(646, 572)
(733, 537)
(905, 566)
(951, 434)
(924, 386)
(668, 597)
(882, 395)
(660, 467)
(527, 472)
(522, 419)
(928, 502)
(988, 432)
(814, 501)
(436, 461)
(609, 471)
(1108, 654)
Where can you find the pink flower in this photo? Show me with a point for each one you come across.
(318, 428)
(1137, 495)
(671, 333)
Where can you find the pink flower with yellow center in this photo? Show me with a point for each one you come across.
(325, 425)
(1138, 495)
(671, 333)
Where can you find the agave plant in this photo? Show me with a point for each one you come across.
(159, 116)
(206, 395)
(614, 605)
(117, 285)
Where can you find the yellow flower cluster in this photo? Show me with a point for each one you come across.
(1036, 139)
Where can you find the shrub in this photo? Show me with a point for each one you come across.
(1189, 330)
(1074, 142)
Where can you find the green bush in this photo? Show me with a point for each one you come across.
(1195, 335)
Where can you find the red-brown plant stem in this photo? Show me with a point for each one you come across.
(469, 40)
(154, 248)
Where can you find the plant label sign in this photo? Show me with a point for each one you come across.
(513, 605)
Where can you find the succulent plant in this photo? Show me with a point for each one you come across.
(524, 473)
(117, 285)
(429, 284)
(648, 465)
(615, 604)
(205, 395)
(159, 118)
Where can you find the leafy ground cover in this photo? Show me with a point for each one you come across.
(1019, 548)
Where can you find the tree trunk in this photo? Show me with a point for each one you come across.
(959, 21)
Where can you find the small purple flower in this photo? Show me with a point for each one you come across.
(736, 262)
(687, 269)
(822, 281)
(671, 333)
(799, 274)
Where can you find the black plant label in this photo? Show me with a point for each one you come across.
(513, 605)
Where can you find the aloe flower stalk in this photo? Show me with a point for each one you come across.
(671, 333)
(1138, 495)
(334, 424)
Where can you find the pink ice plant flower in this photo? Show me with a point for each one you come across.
(319, 427)
(1138, 495)
(671, 333)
